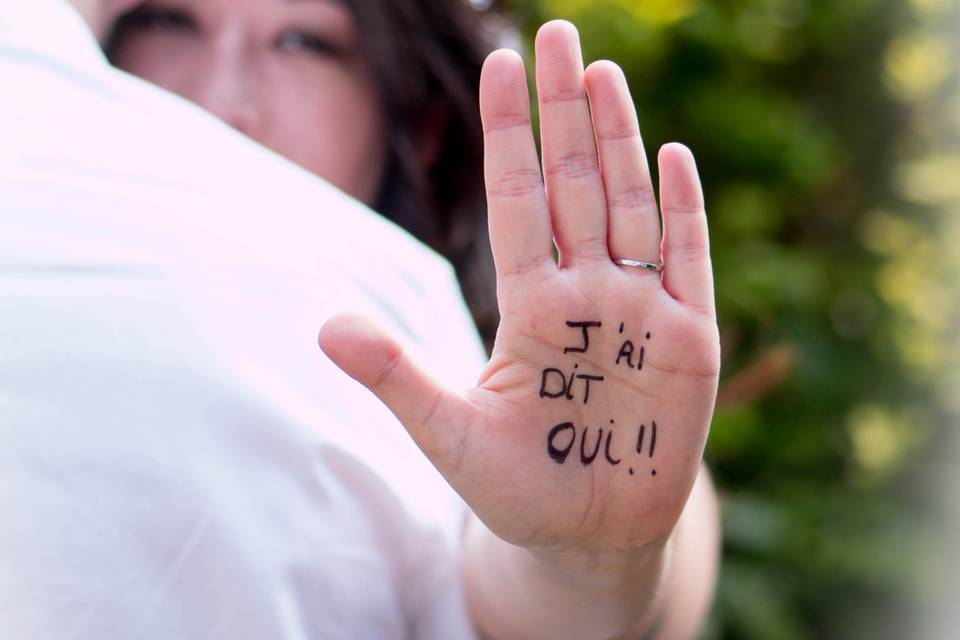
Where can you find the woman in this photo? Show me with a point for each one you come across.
(379, 98)
(576, 535)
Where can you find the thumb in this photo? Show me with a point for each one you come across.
(435, 417)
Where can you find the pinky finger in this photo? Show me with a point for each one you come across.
(687, 272)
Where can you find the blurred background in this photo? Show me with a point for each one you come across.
(827, 133)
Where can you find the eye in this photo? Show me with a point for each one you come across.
(294, 41)
(158, 19)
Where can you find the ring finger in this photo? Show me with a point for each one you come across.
(633, 219)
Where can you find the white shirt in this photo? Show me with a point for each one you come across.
(177, 457)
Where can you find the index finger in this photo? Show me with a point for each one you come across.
(520, 231)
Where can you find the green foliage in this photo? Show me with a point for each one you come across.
(823, 132)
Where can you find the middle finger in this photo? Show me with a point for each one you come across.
(570, 163)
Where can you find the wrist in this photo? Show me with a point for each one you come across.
(602, 571)
(517, 592)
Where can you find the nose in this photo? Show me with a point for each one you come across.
(225, 85)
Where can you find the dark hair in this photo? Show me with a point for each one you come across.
(425, 57)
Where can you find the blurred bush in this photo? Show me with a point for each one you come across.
(827, 135)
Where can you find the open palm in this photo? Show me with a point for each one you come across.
(587, 427)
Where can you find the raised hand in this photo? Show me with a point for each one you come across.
(586, 430)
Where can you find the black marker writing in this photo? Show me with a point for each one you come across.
(626, 351)
(555, 384)
(560, 455)
(570, 384)
(606, 449)
(563, 437)
(653, 438)
(588, 378)
(544, 393)
(584, 458)
(583, 325)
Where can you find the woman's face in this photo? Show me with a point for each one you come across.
(288, 73)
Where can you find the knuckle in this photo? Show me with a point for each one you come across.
(686, 210)
(505, 122)
(578, 164)
(527, 267)
(690, 251)
(589, 249)
(632, 197)
(619, 132)
(389, 367)
(432, 408)
(521, 182)
(561, 96)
